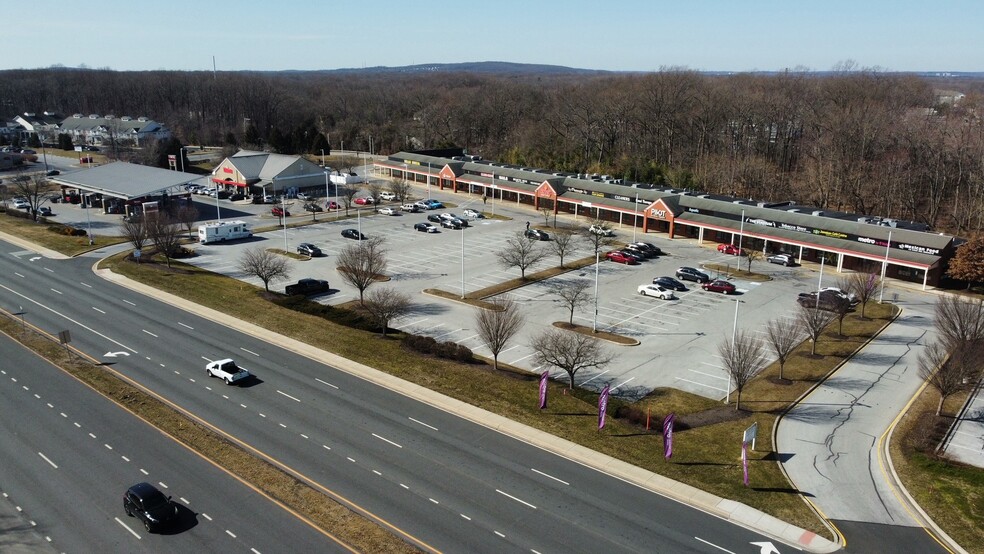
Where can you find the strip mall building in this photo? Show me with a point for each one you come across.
(846, 241)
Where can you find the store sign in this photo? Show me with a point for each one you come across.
(918, 249)
(660, 214)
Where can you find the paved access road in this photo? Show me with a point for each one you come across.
(443, 482)
(69, 454)
(832, 441)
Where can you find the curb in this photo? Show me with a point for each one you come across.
(729, 510)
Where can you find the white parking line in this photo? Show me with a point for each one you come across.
(127, 527)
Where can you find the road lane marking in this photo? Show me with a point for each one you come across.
(500, 534)
(377, 473)
(349, 459)
(91, 435)
(325, 383)
(161, 483)
(56, 291)
(595, 377)
(49, 269)
(45, 458)
(288, 396)
(188, 326)
(85, 284)
(98, 310)
(19, 275)
(434, 501)
(108, 447)
(127, 527)
(549, 476)
(144, 471)
(183, 499)
(386, 440)
(326, 447)
(714, 545)
(125, 459)
(149, 333)
(248, 351)
(465, 517)
(514, 498)
(206, 516)
(230, 533)
(130, 303)
(422, 423)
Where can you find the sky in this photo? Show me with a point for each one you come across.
(628, 35)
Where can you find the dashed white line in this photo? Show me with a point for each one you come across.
(326, 447)
(149, 333)
(77, 424)
(206, 516)
(18, 274)
(404, 486)
(549, 476)
(91, 435)
(465, 517)
(45, 458)
(434, 501)
(714, 545)
(49, 269)
(49, 405)
(377, 473)
(230, 533)
(303, 435)
(186, 326)
(507, 495)
(325, 383)
(422, 423)
(108, 447)
(130, 303)
(255, 551)
(350, 459)
(127, 527)
(262, 414)
(386, 440)
(183, 499)
(162, 484)
(242, 405)
(282, 425)
(288, 396)
(248, 351)
(85, 284)
(125, 459)
(98, 310)
(144, 471)
(500, 534)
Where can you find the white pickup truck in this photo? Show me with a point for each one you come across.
(227, 370)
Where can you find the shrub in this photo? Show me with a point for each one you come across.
(463, 354)
(422, 344)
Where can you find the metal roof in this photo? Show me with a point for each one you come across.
(125, 180)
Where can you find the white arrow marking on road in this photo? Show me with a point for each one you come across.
(35, 258)
(115, 354)
(766, 547)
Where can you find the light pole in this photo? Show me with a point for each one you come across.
(283, 217)
(594, 324)
(44, 152)
(322, 157)
(218, 211)
(881, 293)
(327, 196)
(462, 263)
(181, 153)
(635, 217)
(823, 258)
(734, 339)
(88, 220)
(741, 234)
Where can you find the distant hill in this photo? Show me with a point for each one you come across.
(488, 68)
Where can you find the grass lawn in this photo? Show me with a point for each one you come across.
(43, 235)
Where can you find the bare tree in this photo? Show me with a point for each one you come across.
(941, 373)
(566, 242)
(187, 214)
(374, 188)
(743, 356)
(163, 232)
(814, 321)
(546, 213)
(520, 252)
(360, 265)
(752, 256)
(264, 265)
(33, 188)
(959, 321)
(573, 293)
(346, 194)
(498, 324)
(783, 336)
(863, 285)
(598, 241)
(386, 304)
(569, 351)
(402, 189)
(134, 230)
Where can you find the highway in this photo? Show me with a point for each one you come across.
(444, 483)
(69, 454)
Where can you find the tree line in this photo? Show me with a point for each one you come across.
(854, 139)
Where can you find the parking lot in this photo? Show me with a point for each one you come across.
(678, 339)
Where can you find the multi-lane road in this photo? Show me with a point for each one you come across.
(439, 481)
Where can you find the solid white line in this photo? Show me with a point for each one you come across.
(130, 303)
(422, 423)
(387, 440)
(550, 476)
(596, 376)
(98, 310)
(149, 333)
(325, 383)
(248, 351)
(514, 498)
(714, 545)
(56, 291)
(47, 460)
(85, 284)
(127, 527)
(188, 326)
(288, 396)
(622, 383)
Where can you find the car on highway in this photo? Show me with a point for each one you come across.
(719, 285)
(278, 211)
(313, 208)
(148, 504)
(601, 230)
(692, 274)
(388, 211)
(781, 259)
(434, 218)
(451, 224)
(227, 370)
(353, 234)
(364, 201)
(307, 287)
(387, 195)
(618, 257)
(730, 249)
(425, 227)
(536, 234)
(656, 291)
(474, 214)
(669, 283)
(308, 249)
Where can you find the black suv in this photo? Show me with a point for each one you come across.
(308, 249)
(353, 234)
(536, 234)
(150, 506)
(691, 274)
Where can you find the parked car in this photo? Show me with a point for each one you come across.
(669, 283)
(601, 230)
(645, 253)
(781, 259)
(412, 208)
(227, 370)
(236, 196)
(434, 218)
(53, 172)
(308, 249)
(850, 296)
(536, 234)
(632, 254)
(730, 249)
(387, 195)
(22, 204)
(619, 257)
(304, 196)
(691, 274)
(451, 224)
(332, 205)
(447, 216)
(85, 160)
(145, 502)
(88, 148)
(313, 208)
(279, 211)
(474, 214)
(824, 300)
(425, 227)
(433, 204)
(719, 285)
(307, 287)
(44, 211)
(388, 211)
(656, 291)
(353, 234)
(648, 246)
(422, 204)
(364, 201)
(222, 194)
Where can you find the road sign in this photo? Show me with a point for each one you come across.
(749, 435)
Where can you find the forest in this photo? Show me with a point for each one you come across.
(856, 140)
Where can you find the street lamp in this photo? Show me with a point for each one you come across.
(283, 216)
(594, 325)
(181, 153)
(462, 264)
(635, 217)
(322, 157)
(884, 268)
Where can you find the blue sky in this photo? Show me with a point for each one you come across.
(635, 35)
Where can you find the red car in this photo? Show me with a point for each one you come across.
(367, 201)
(332, 205)
(730, 249)
(621, 258)
(718, 285)
(278, 211)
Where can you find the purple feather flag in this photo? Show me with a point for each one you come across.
(602, 406)
(543, 388)
(668, 436)
(744, 461)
